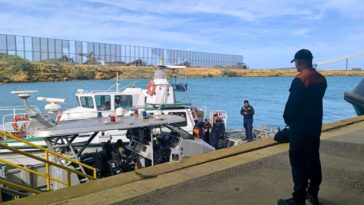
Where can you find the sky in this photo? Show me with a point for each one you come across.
(267, 33)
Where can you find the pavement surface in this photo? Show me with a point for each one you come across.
(264, 181)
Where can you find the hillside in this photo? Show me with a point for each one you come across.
(15, 69)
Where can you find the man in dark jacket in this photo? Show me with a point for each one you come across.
(303, 113)
(217, 131)
(248, 111)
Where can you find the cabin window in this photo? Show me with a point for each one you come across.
(87, 102)
(176, 131)
(103, 102)
(124, 101)
(181, 114)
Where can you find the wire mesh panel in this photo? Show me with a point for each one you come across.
(44, 49)
(78, 52)
(107, 52)
(28, 48)
(11, 44)
(112, 54)
(102, 52)
(51, 48)
(3, 46)
(72, 51)
(118, 53)
(36, 49)
(65, 48)
(59, 48)
(20, 51)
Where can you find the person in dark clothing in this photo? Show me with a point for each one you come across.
(207, 128)
(303, 113)
(198, 130)
(217, 131)
(248, 111)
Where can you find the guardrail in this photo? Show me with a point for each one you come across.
(47, 162)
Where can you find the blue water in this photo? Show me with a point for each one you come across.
(266, 94)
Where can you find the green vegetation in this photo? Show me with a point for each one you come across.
(230, 73)
(79, 74)
(15, 69)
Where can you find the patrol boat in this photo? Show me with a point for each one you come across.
(157, 99)
(356, 98)
(153, 139)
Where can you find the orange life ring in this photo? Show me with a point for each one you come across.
(151, 88)
(59, 116)
(23, 121)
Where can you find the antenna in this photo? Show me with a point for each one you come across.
(24, 95)
(52, 105)
(117, 81)
(116, 84)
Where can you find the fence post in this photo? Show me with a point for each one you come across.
(47, 171)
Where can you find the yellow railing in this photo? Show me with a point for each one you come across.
(48, 163)
(19, 187)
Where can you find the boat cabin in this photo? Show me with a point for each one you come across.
(109, 101)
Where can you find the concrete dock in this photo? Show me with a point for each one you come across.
(253, 173)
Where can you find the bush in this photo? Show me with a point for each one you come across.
(230, 73)
(14, 68)
(79, 74)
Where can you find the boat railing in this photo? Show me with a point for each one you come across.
(9, 122)
(16, 108)
(11, 117)
(48, 164)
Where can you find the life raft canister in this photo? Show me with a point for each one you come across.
(151, 88)
(22, 124)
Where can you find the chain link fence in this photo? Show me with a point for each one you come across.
(82, 52)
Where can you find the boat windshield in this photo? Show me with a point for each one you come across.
(125, 101)
(180, 132)
(87, 102)
(103, 102)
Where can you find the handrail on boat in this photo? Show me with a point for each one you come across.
(19, 187)
(47, 162)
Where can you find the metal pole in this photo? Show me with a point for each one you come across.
(48, 179)
(347, 62)
(6, 44)
(24, 47)
(40, 48)
(16, 47)
(32, 48)
(151, 141)
(48, 47)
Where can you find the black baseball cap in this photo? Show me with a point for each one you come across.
(303, 54)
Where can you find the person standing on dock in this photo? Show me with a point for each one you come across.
(303, 113)
(248, 111)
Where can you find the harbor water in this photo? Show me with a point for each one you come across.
(266, 94)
